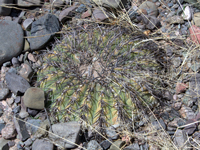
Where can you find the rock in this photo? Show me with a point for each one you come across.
(181, 87)
(23, 113)
(159, 126)
(31, 57)
(196, 19)
(111, 133)
(16, 83)
(31, 3)
(33, 112)
(175, 20)
(5, 11)
(26, 71)
(193, 3)
(28, 142)
(42, 144)
(16, 109)
(93, 145)
(99, 15)
(186, 112)
(86, 14)
(4, 144)
(44, 29)
(34, 98)
(117, 145)
(111, 3)
(187, 14)
(134, 146)
(69, 131)
(8, 131)
(151, 8)
(190, 126)
(27, 23)
(4, 91)
(82, 8)
(180, 138)
(17, 99)
(11, 44)
(106, 144)
(150, 22)
(32, 125)
(15, 62)
(42, 130)
(177, 62)
(21, 129)
(67, 13)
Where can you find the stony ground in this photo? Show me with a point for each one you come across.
(22, 28)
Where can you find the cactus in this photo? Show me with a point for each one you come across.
(100, 75)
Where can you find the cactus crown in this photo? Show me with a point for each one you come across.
(100, 75)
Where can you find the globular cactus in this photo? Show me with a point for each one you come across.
(100, 75)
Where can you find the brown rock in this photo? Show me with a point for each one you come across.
(66, 13)
(195, 34)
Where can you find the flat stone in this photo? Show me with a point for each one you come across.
(43, 29)
(23, 3)
(175, 20)
(5, 11)
(111, 133)
(16, 83)
(69, 131)
(106, 144)
(11, 44)
(93, 145)
(27, 23)
(34, 98)
(42, 144)
(186, 112)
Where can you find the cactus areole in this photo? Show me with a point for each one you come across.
(99, 75)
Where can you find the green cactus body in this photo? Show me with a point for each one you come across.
(97, 75)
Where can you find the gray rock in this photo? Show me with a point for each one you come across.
(34, 98)
(16, 83)
(15, 62)
(117, 145)
(17, 99)
(180, 138)
(26, 71)
(111, 133)
(42, 131)
(11, 44)
(5, 11)
(42, 144)
(16, 109)
(44, 29)
(23, 113)
(28, 142)
(134, 146)
(27, 23)
(186, 112)
(4, 144)
(69, 131)
(33, 112)
(106, 144)
(159, 126)
(23, 3)
(151, 8)
(32, 125)
(4, 91)
(21, 129)
(93, 145)
(150, 22)
(57, 3)
(82, 8)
